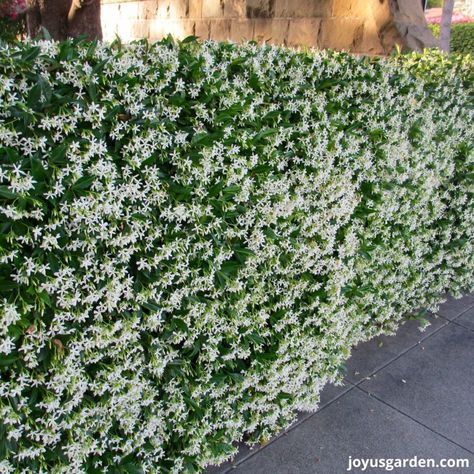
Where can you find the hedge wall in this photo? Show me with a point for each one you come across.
(462, 37)
(194, 236)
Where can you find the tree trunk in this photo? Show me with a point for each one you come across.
(64, 18)
(445, 35)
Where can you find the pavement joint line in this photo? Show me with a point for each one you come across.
(455, 317)
(381, 400)
(463, 312)
(444, 317)
(291, 428)
(401, 354)
(462, 326)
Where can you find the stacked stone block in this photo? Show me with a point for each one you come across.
(363, 26)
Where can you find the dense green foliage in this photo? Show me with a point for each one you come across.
(462, 37)
(194, 236)
(434, 4)
(9, 30)
(12, 19)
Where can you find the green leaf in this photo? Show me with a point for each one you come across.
(83, 183)
(204, 138)
(40, 94)
(216, 189)
(230, 191)
(221, 279)
(266, 356)
(256, 338)
(6, 193)
(218, 378)
(325, 84)
(30, 54)
(5, 361)
(189, 39)
(243, 252)
(37, 170)
(58, 154)
(230, 268)
(153, 307)
(45, 298)
(264, 134)
(92, 91)
(180, 324)
(179, 192)
(7, 284)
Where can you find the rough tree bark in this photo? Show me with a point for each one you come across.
(407, 27)
(446, 18)
(64, 18)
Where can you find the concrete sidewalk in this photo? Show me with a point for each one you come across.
(404, 396)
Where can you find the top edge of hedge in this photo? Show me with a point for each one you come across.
(194, 236)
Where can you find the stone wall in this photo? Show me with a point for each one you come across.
(363, 26)
(465, 7)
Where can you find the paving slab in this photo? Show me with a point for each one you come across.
(452, 308)
(467, 319)
(329, 393)
(354, 425)
(372, 355)
(433, 383)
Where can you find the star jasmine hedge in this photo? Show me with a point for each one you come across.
(194, 236)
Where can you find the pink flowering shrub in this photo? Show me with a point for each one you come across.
(12, 19)
(12, 9)
(457, 18)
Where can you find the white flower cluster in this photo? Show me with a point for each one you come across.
(194, 236)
